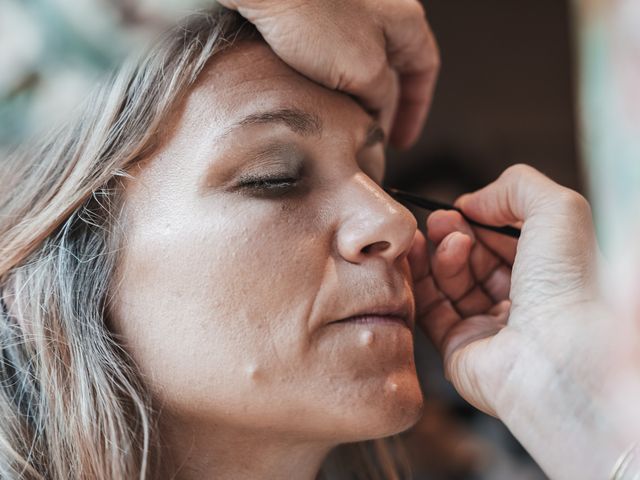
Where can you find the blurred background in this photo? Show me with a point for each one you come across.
(508, 93)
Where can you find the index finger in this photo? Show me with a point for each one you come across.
(416, 93)
(413, 52)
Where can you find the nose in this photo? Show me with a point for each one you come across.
(373, 225)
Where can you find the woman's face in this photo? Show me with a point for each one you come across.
(251, 234)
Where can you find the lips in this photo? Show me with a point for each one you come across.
(381, 314)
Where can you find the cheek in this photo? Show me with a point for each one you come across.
(216, 315)
(210, 306)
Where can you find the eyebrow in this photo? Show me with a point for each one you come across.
(299, 121)
(306, 124)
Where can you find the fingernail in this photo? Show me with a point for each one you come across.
(446, 243)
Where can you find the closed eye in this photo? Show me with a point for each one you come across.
(269, 184)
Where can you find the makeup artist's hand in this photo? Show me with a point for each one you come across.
(520, 327)
(362, 47)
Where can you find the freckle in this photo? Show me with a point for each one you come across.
(366, 338)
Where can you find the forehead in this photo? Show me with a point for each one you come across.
(250, 78)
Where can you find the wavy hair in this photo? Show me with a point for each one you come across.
(71, 402)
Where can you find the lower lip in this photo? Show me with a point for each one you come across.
(374, 320)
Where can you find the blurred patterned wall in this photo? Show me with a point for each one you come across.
(52, 52)
(610, 101)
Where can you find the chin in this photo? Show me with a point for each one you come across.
(397, 409)
(403, 410)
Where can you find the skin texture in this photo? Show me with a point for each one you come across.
(225, 293)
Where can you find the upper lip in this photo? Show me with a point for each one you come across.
(403, 311)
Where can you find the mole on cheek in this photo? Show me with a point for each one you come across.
(252, 372)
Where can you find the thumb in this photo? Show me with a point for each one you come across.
(557, 245)
(517, 195)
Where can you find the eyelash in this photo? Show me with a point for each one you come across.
(273, 185)
(270, 184)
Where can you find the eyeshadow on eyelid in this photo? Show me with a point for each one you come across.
(286, 155)
(249, 160)
(278, 150)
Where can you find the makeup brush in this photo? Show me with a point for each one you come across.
(433, 205)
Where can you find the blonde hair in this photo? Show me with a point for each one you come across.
(71, 402)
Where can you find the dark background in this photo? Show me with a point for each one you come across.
(506, 95)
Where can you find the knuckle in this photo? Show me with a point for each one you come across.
(373, 70)
(403, 10)
(414, 9)
(574, 201)
(519, 170)
(379, 66)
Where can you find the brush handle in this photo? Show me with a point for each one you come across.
(433, 205)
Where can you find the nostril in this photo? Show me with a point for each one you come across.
(376, 247)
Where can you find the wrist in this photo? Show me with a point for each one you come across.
(575, 411)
